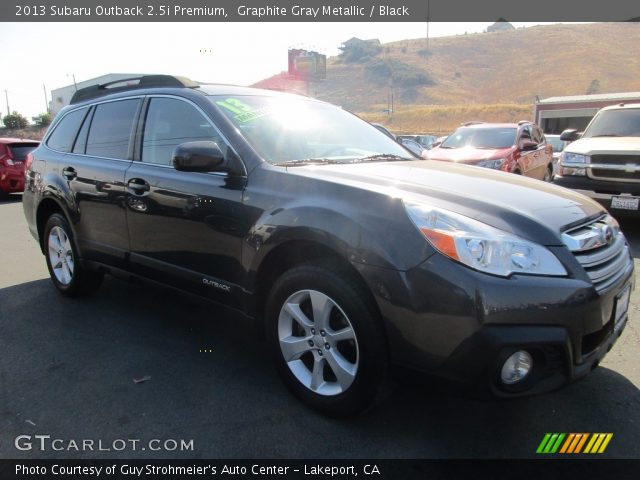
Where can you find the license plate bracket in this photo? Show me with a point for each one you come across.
(622, 307)
(625, 203)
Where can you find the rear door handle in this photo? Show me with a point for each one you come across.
(138, 186)
(69, 173)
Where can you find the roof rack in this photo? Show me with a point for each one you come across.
(468, 124)
(144, 81)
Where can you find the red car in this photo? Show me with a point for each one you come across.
(511, 147)
(13, 152)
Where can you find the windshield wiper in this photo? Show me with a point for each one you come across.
(607, 135)
(381, 157)
(307, 161)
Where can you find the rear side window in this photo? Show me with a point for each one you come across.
(65, 131)
(169, 123)
(111, 129)
(81, 140)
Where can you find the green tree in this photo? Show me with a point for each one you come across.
(44, 119)
(15, 120)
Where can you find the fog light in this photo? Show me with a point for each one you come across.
(516, 368)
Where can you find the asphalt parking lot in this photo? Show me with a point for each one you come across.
(67, 370)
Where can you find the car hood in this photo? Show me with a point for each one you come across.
(600, 145)
(526, 207)
(467, 154)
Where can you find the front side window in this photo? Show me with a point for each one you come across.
(111, 129)
(537, 135)
(290, 129)
(170, 122)
(500, 137)
(65, 131)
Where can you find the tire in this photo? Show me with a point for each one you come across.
(548, 175)
(67, 274)
(336, 363)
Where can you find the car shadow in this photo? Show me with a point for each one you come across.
(631, 229)
(68, 367)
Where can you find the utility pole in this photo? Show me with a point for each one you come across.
(75, 85)
(46, 100)
(6, 96)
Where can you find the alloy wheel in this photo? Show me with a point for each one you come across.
(318, 342)
(61, 255)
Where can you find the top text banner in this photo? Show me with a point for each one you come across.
(317, 10)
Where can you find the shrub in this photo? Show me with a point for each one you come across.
(358, 51)
(402, 74)
(14, 120)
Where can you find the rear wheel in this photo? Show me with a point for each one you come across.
(326, 337)
(67, 274)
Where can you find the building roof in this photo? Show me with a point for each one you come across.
(597, 97)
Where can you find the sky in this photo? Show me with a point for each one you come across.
(51, 54)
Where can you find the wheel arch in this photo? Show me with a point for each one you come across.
(298, 252)
(47, 207)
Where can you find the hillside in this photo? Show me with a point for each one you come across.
(508, 68)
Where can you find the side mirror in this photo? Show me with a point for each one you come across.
(570, 135)
(528, 145)
(201, 156)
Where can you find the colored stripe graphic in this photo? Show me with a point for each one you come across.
(574, 443)
(550, 443)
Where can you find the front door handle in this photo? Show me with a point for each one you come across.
(69, 173)
(138, 186)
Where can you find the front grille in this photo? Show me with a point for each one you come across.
(616, 167)
(614, 174)
(602, 251)
(617, 159)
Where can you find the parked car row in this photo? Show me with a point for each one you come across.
(353, 254)
(13, 152)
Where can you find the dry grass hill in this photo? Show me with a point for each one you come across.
(481, 76)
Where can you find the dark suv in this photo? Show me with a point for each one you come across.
(353, 254)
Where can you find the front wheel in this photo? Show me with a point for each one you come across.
(326, 336)
(68, 276)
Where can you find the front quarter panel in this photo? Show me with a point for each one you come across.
(362, 226)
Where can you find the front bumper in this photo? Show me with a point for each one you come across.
(447, 320)
(601, 191)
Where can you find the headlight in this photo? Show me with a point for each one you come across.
(481, 246)
(495, 164)
(572, 164)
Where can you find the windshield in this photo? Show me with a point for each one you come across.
(615, 123)
(481, 138)
(297, 130)
(555, 142)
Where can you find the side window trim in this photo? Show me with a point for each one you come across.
(134, 128)
(139, 131)
(85, 121)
